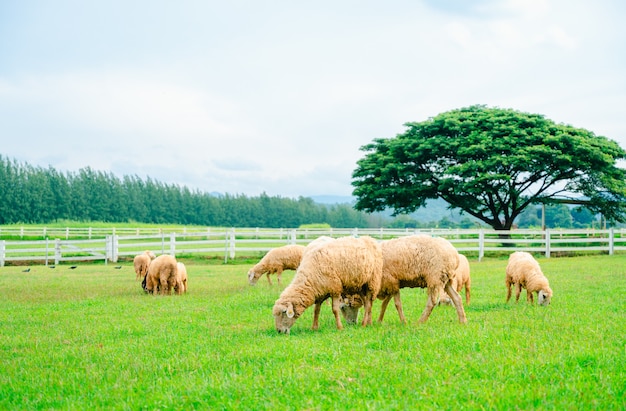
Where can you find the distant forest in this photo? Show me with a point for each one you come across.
(39, 195)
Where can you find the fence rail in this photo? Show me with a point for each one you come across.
(111, 246)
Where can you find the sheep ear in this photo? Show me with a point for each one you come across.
(289, 311)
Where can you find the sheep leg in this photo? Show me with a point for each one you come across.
(467, 295)
(457, 301)
(518, 291)
(383, 307)
(529, 296)
(398, 302)
(433, 296)
(508, 293)
(279, 272)
(269, 280)
(316, 316)
(337, 310)
(368, 300)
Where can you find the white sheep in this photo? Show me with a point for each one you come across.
(276, 261)
(161, 277)
(141, 263)
(523, 271)
(181, 278)
(419, 261)
(346, 265)
(461, 279)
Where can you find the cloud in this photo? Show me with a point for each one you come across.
(228, 98)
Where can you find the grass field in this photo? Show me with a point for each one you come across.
(90, 339)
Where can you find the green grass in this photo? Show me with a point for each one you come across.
(90, 339)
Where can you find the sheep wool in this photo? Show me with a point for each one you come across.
(141, 263)
(275, 262)
(181, 278)
(346, 265)
(162, 274)
(419, 261)
(523, 271)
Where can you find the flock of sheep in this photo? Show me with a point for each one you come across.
(353, 272)
(160, 275)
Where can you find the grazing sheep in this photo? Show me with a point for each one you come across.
(161, 277)
(349, 304)
(275, 261)
(419, 261)
(141, 263)
(462, 279)
(346, 265)
(181, 278)
(523, 271)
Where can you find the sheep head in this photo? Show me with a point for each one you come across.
(544, 296)
(350, 305)
(253, 276)
(144, 286)
(284, 316)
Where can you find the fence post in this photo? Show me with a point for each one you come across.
(611, 241)
(547, 243)
(57, 251)
(481, 244)
(232, 244)
(2, 255)
(47, 247)
(173, 244)
(115, 243)
(292, 237)
(108, 254)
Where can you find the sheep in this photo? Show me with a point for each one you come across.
(461, 279)
(161, 277)
(275, 261)
(419, 261)
(141, 263)
(523, 271)
(349, 305)
(346, 265)
(181, 278)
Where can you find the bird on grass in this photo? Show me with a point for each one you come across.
(118, 267)
(73, 267)
(26, 271)
(52, 266)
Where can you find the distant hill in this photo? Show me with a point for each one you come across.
(434, 210)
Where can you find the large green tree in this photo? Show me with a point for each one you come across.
(491, 163)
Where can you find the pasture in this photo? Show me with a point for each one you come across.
(89, 338)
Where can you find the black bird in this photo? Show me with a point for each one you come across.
(26, 271)
(52, 266)
(118, 267)
(73, 267)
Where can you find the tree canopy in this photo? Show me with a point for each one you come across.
(491, 163)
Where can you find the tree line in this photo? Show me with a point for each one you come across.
(40, 195)
(31, 194)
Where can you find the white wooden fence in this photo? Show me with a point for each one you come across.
(230, 243)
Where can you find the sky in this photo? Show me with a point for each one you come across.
(278, 96)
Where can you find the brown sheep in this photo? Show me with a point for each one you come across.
(419, 261)
(141, 263)
(162, 274)
(346, 265)
(275, 261)
(523, 271)
(181, 278)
